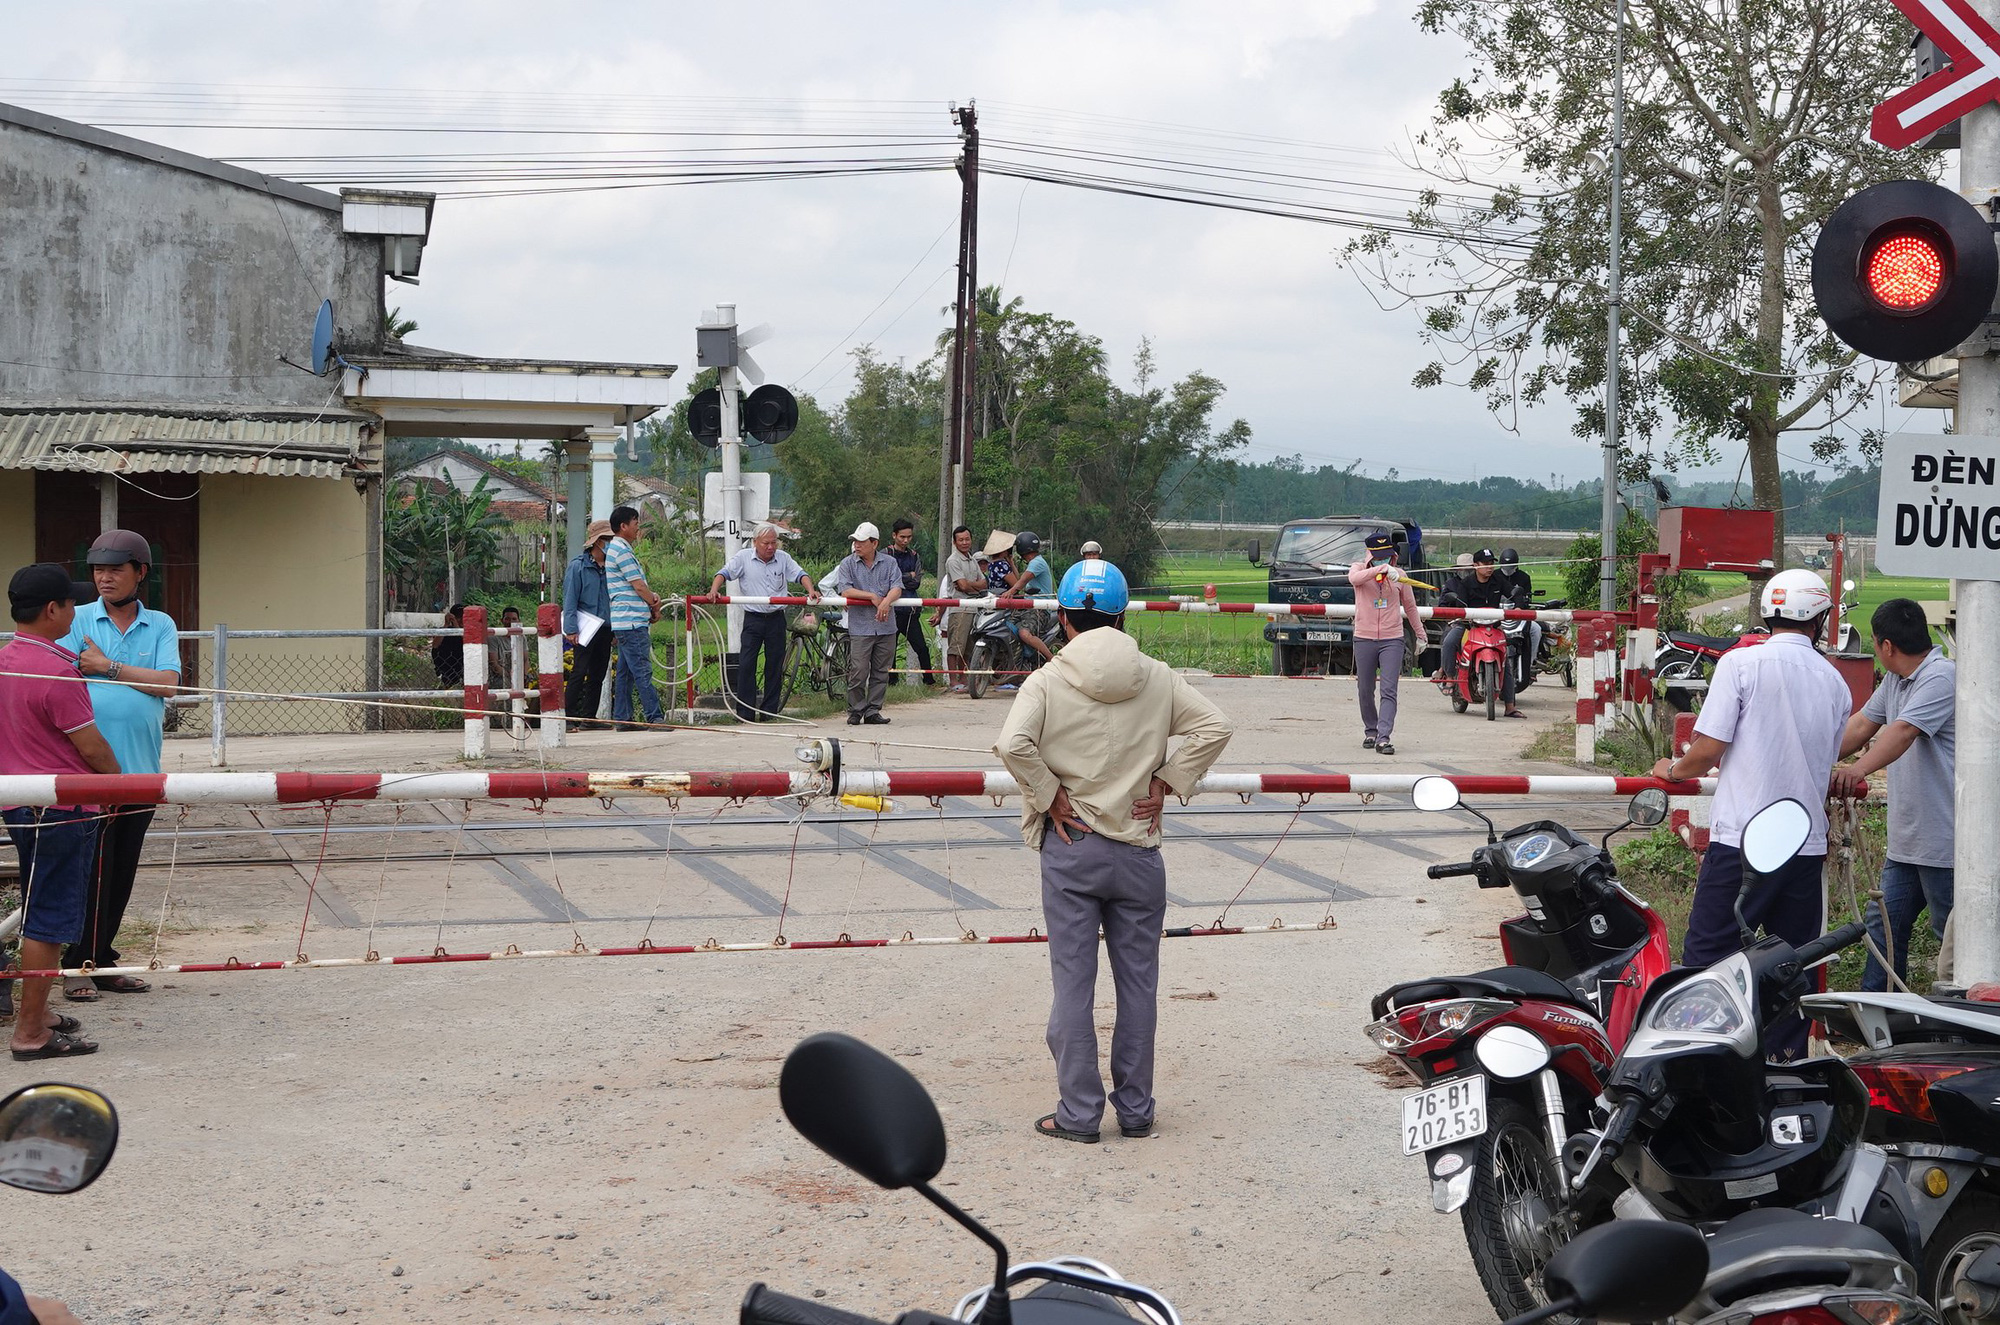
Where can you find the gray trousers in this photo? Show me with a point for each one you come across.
(1089, 883)
(1371, 656)
(869, 658)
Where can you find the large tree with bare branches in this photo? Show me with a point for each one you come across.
(1746, 122)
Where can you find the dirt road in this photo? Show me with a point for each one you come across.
(601, 1138)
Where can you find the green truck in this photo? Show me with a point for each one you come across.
(1309, 564)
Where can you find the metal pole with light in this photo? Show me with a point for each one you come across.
(715, 343)
(1607, 567)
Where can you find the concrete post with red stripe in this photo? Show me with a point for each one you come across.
(1586, 692)
(549, 665)
(475, 683)
(1688, 816)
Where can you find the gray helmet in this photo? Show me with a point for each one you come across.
(115, 547)
(1509, 557)
(1027, 544)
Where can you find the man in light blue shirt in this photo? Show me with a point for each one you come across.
(633, 607)
(872, 583)
(761, 570)
(133, 655)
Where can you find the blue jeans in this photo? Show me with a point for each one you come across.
(632, 687)
(1907, 889)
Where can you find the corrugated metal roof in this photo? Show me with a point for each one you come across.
(131, 442)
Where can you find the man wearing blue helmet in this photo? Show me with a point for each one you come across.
(1087, 742)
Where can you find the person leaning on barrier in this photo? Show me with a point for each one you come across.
(1773, 720)
(132, 655)
(47, 728)
(1909, 727)
(1087, 740)
(909, 608)
(871, 632)
(448, 651)
(964, 577)
(584, 590)
(762, 570)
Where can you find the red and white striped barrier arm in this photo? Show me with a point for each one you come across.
(549, 668)
(475, 683)
(309, 788)
(1337, 611)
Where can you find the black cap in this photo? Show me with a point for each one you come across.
(1483, 557)
(1380, 543)
(35, 587)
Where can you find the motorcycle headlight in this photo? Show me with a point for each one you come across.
(1704, 1006)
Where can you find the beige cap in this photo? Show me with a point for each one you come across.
(598, 529)
(999, 542)
(863, 532)
(1092, 546)
(1464, 559)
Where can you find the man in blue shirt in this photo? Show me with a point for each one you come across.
(1033, 579)
(634, 607)
(136, 653)
(762, 570)
(584, 590)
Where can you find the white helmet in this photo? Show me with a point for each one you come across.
(1796, 595)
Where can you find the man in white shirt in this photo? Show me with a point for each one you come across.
(764, 571)
(1773, 720)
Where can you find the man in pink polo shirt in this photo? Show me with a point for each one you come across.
(46, 727)
(1382, 604)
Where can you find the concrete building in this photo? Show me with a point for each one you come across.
(156, 372)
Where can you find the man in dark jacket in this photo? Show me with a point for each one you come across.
(910, 619)
(1481, 587)
(584, 592)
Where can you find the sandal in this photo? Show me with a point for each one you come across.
(1046, 1125)
(1514, 713)
(67, 1025)
(60, 1045)
(120, 984)
(1135, 1130)
(80, 991)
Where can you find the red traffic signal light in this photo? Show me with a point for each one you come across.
(1905, 271)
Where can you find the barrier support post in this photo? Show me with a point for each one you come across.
(475, 682)
(1586, 692)
(1643, 640)
(218, 713)
(549, 662)
(690, 659)
(517, 681)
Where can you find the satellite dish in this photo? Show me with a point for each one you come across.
(322, 352)
(770, 414)
(704, 417)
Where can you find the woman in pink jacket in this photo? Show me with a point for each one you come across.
(1382, 603)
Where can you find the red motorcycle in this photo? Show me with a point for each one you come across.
(1484, 653)
(1510, 1059)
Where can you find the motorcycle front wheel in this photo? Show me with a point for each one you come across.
(979, 669)
(1489, 682)
(1514, 1218)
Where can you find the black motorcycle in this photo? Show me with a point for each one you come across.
(861, 1107)
(1806, 1219)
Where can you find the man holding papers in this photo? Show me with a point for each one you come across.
(586, 610)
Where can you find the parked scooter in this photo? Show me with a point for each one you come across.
(997, 652)
(1511, 1058)
(861, 1107)
(1807, 1221)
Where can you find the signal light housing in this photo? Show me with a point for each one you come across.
(1905, 271)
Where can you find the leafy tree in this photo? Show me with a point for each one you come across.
(1746, 123)
(395, 325)
(436, 532)
(1636, 534)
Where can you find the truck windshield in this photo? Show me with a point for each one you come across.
(1323, 545)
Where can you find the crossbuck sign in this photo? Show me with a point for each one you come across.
(1939, 515)
(1971, 78)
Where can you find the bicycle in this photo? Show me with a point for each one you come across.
(816, 657)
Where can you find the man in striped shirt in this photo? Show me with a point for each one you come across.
(633, 609)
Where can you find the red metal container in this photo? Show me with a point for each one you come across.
(1717, 538)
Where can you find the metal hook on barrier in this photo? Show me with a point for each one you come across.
(303, 959)
(780, 942)
(710, 945)
(373, 956)
(969, 936)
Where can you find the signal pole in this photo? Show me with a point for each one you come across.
(720, 323)
(1976, 851)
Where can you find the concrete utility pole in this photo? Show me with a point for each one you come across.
(722, 318)
(1607, 569)
(1976, 854)
(965, 335)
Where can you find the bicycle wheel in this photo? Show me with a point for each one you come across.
(835, 679)
(797, 658)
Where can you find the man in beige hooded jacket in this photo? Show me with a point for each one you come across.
(1087, 742)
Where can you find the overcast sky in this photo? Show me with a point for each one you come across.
(1262, 303)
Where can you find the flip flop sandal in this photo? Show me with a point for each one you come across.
(80, 991)
(67, 1025)
(120, 984)
(1046, 1125)
(60, 1045)
(1515, 714)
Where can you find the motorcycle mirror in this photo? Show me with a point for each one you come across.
(1511, 1052)
(1626, 1271)
(1847, 586)
(1648, 809)
(1256, 551)
(55, 1138)
(860, 1106)
(1434, 793)
(1774, 835)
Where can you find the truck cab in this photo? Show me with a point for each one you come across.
(1309, 564)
